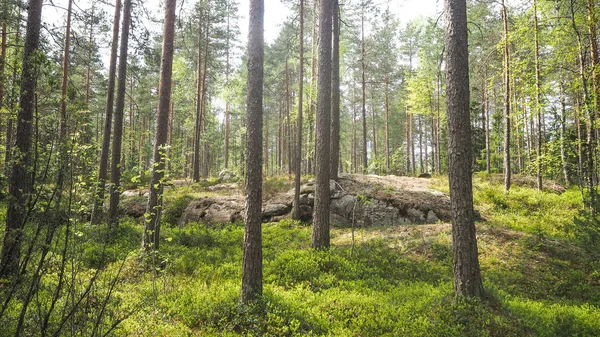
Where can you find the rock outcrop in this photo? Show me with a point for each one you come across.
(355, 199)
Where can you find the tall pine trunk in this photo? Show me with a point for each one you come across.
(198, 126)
(252, 259)
(335, 93)
(298, 157)
(467, 278)
(115, 165)
(538, 98)
(63, 139)
(320, 233)
(21, 177)
(364, 92)
(226, 141)
(98, 207)
(152, 225)
(507, 171)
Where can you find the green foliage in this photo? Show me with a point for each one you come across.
(173, 209)
(526, 209)
(276, 184)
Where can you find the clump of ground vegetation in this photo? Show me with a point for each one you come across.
(389, 281)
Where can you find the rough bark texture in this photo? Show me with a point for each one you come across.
(63, 141)
(538, 98)
(226, 140)
(115, 165)
(507, 171)
(198, 127)
(20, 180)
(387, 124)
(110, 97)
(2, 61)
(320, 233)
(203, 142)
(152, 225)
(252, 260)
(365, 157)
(467, 278)
(298, 157)
(335, 93)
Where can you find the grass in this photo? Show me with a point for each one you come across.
(396, 282)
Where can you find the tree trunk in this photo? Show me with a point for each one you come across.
(563, 130)
(407, 130)
(204, 142)
(170, 136)
(467, 278)
(373, 125)
(387, 128)
(63, 157)
(252, 260)
(486, 116)
(313, 85)
(590, 144)
(151, 237)
(412, 144)
(298, 164)
(226, 145)
(110, 97)
(2, 61)
(21, 177)
(335, 93)
(198, 127)
(421, 166)
(320, 233)
(507, 171)
(115, 167)
(131, 125)
(364, 90)
(354, 136)
(577, 120)
(286, 118)
(88, 76)
(538, 98)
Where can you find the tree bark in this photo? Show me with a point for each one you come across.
(204, 120)
(298, 158)
(313, 85)
(364, 92)
(335, 93)
(2, 62)
(507, 170)
(591, 139)
(198, 126)
(152, 225)
(252, 259)
(63, 139)
(387, 124)
(538, 98)
(563, 130)
(226, 141)
(320, 233)
(21, 177)
(467, 278)
(115, 165)
(98, 207)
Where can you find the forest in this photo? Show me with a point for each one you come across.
(299, 168)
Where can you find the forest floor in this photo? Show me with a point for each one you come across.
(542, 278)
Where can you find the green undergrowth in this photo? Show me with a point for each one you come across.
(524, 208)
(394, 281)
(390, 285)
